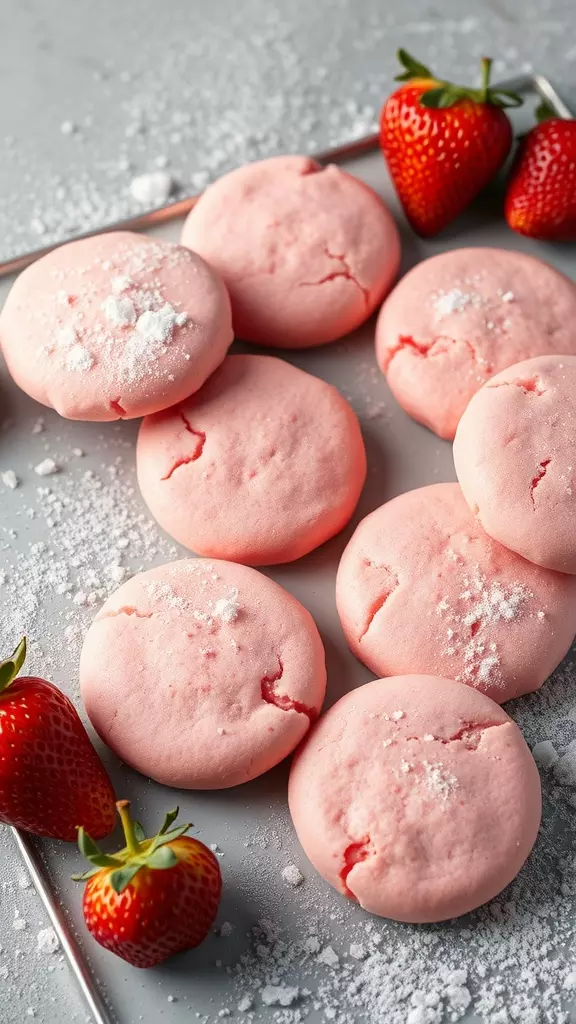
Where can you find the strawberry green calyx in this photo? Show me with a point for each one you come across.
(10, 668)
(544, 112)
(446, 94)
(138, 852)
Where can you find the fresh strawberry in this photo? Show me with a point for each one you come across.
(51, 778)
(155, 897)
(443, 143)
(541, 196)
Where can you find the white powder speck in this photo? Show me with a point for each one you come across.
(47, 941)
(225, 929)
(358, 951)
(454, 301)
(328, 956)
(18, 923)
(119, 310)
(24, 882)
(279, 995)
(507, 296)
(153, 189)
(245, 1004)
(439, 780)
(9, 479)
(227, 608)
(67, 127)
(77, 452)
(38, 426)
(46, 468)
(292, 874)
(171, 999)
(79, 359)
(121, 283)
(570, 981)
(545, 754)
(397, 715)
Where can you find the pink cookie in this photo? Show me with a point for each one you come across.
(115, 326)
(202, 674)
(422, 588)
(417, 797)
(460, 317)
(515, 455)
(263, 464)
(307, 252)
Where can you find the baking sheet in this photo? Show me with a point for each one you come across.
(251, 824)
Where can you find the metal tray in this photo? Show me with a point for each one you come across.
(251, 824)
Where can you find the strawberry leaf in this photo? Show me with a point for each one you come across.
(170, 817)
(168, 837)
(93, 853)
(10, 668)
(544, 112)
(139, 832)
(122, 877)
(162, 858)
(86, 875)
(440, 99)
(413, 68)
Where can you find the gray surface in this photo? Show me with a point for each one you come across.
(207, 84)
(70, 61)
(251, 824)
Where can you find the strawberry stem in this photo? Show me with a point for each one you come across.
(10, 668)
(132, 844)
(485, 67)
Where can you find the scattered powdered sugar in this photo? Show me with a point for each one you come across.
(47, 941)
(454, 301)
(468, 626)
(9, 479)
(439, 780)
(292, 874)
(227, 608)
(46, 468)
(153, 189)
(279, 995)
(142, 315)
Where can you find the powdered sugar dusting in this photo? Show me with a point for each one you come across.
(137, 324)
(468, 625)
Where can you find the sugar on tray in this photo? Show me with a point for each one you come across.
(9, 479)
(152, 189)
(292, 874)
(47, 467)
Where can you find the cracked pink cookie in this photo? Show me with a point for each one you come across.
(115, 326)
(460, 317)
(307, 252)
(515, 456)
(202, 675)
(260, 466)
(422, 588)
(416, 797)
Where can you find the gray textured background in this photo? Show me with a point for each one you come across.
(197, 86)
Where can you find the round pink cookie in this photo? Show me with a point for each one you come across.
(417, 797)
(460, 317)
(307, 252)
(202, 674)
(422, 588)
(263, 464)
(515, 455)
(115, 326)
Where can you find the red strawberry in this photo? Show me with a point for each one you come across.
(541, 196)
(51, 778)
(155, 897)
(443, 143)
